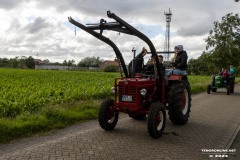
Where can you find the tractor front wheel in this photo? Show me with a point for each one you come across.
(156, 120)
(214, 89)
(107, 116)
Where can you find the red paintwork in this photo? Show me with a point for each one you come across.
(175, 77)
(132, 86)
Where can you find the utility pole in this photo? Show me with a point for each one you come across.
(167, 34)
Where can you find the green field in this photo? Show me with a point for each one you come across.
(31, 90)
(38, 100)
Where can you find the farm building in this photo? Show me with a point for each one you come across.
(109, 63)
(50, 67)
(38, 61)
(60, 67)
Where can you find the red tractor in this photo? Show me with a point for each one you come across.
(141, 95)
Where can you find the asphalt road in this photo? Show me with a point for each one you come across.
(212, 125)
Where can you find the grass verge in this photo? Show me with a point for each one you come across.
(48, 119)
(198, 87)
(237, 80)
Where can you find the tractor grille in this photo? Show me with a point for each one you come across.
(128, 91)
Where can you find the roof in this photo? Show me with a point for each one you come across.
(107, 62)
(38, 61)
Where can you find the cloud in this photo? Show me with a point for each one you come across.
(8, 4)
(36, 26)
(196, 28)
(30, 27)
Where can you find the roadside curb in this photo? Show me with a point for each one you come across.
(233, 137)
(228, 146)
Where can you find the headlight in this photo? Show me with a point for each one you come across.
(143, 92)
(113, 89)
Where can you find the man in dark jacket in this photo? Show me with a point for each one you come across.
(140, 61)
(160, 58)
(137, 64)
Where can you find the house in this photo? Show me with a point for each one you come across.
(109, 63)
(38, 61)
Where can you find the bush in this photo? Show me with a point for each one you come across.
(110, 68)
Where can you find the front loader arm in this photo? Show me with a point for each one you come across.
(123, 27)
(104, 39)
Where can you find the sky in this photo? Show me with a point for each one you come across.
(41, 28)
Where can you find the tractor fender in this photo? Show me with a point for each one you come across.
(176, 77)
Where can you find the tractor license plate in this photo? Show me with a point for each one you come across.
(126, 98)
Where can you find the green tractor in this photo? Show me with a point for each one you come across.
(220, 82)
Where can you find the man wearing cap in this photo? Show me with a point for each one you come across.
(137, 64)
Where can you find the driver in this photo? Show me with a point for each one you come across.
(225, 76)
(140, 61)
(221, 73)
(136, 65)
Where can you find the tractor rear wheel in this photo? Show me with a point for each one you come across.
(228, 89)
(107, 116)
(156, 120)
(179, 102)
(209, 89)
(231, 83)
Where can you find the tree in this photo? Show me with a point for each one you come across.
(224, 40)
(4, 62)
(15, 62)
(22, 62)
(223, 45)
(30, 62)
(90, 62)
(56, 63)
(46, 61)
(65, 63)
(203, 65)
(70, 63)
